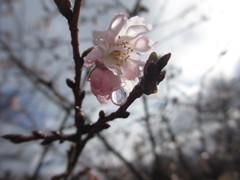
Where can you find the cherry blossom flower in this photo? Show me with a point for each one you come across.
(118, 49)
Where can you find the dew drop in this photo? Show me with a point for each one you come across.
(119, 97)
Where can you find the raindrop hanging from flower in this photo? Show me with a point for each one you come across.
(116, 57)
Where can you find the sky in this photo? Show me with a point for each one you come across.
(212, 42)
(198, 49)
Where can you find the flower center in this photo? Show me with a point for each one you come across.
(122, 54)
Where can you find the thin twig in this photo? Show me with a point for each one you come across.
(46, 149)
(148, 127)
(36, 79)
(39, 135)
(73, 19)
(133, 170)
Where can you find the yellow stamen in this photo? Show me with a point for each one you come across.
(121, 56)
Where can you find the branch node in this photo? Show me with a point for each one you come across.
(70, 83)
(125, 114)
(106, 126)
(38, 134)
(101, 114)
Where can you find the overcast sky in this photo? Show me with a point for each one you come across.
(200, 34)
(212, 38)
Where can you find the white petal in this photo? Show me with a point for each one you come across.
(117, 24)
(95, 55)
(99, 39)
(136, 20)
(142, 44)
(136, 30)
(137, 26)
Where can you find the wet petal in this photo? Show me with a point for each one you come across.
(94, 56)
(136, 20)
(103, 99)
(137, 26)
(100, 38)
(136, 30)
(142, 44)
(117, 24)
(131, 69)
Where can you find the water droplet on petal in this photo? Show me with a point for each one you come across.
(119, 97)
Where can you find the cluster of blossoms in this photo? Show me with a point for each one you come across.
(116, 56)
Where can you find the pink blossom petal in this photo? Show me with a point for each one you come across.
(131, 69)
(117, 24)
(142, 44)
(94, 56)
(103, 83)
(136, 20)
(136, 30)
(103, 99)
(100, 38)
(137, 26)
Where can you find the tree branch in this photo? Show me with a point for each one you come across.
(133, 170)
(39, 135)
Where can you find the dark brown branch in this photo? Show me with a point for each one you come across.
(64, 7)
(78, 94)
(72, 16)
(73, 19)
(38, 135)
